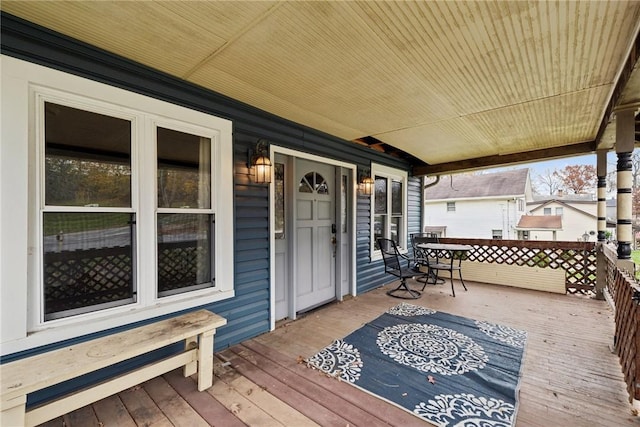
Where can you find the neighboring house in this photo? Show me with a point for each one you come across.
(117, 170)
(577, 212)
(612, 210)
(483, 206)
(530, 227)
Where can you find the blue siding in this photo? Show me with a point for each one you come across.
(370, 274)
(248, 312)
(414, 206)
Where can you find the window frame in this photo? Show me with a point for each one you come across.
(451, 206)
(391, 174)
(32, 85)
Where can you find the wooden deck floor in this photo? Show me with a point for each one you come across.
(570, 377)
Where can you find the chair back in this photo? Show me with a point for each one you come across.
(418, 238)
(390, 255)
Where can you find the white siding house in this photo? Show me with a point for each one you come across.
(481, 206)
(578, 213)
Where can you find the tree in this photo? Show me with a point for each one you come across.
(578, 178)
(548, 182)
(635, 207)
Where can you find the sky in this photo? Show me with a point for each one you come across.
(538, 168)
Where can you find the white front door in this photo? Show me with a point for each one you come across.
(315, 234)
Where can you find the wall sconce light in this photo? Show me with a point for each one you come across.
(260, 163)
(366, 185)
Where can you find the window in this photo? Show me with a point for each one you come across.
(90, 212)
(451, 206)
(88, 222)
(496, 234)
(547, 211)
(520, 205)
(279, 194)
(313, 182)
(128, 211)
(389, 206)
(559, 211)
(185, 220)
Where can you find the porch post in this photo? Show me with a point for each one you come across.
(601, 157)
(601, 259)
(625, 135)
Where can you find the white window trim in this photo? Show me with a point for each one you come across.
(20, 302)
(398, 175)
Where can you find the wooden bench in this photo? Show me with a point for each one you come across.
(34, 373)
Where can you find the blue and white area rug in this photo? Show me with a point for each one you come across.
(446, 369)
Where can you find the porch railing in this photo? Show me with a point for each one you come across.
(623, 293)
(577, 259)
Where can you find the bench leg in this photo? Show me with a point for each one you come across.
(205, 360)
(13, 412)
(191, 368)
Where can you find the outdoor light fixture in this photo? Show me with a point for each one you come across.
(366, 184)
(260, 163)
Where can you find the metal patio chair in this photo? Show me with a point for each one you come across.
(421, 257)
(454, 263)
(393, 264)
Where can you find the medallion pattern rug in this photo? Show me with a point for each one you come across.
(448, 370)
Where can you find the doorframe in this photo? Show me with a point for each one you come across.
(273, 149)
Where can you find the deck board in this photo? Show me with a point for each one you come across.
(84, 416)
(340, 389)
(271, 383)
(241, 406)
(210, 409)
(142, 408)
(112, 412)
(354, 414)
(176, 409)
(570, 376)
(278, 409)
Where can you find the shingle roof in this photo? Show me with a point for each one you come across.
(540, 222)
(507, 183)
(569, 198)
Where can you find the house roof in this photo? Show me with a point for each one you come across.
(453, 85)
(505, 183)
(569, 198)
(540, 222)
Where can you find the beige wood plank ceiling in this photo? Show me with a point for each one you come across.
(443, 81)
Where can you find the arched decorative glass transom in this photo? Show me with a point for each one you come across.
(313, 182)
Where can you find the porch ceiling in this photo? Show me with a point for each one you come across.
(457, 85)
